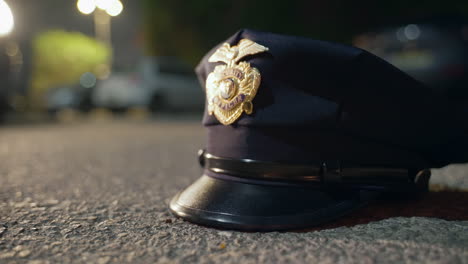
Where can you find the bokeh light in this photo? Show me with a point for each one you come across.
(112, 7)
(115, 8)
(86, 6)
(6, 18)
(412, 32)
(87, 80)
(12, 49)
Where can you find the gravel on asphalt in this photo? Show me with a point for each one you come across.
(98, 193)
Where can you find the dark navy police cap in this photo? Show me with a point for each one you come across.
(301, 132)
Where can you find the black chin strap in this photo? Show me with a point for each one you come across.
(391, 179)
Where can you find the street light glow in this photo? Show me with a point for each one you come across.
(86, 6)
(103, 4)
(115, 8)
(6, 18)
(112, 7)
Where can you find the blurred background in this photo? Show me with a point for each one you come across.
(73, 59)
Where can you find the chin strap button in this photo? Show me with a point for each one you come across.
(422, 180)
(201, 157)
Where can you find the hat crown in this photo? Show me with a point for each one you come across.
(328, 100)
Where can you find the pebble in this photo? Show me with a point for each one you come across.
(103, 260)
(17, 231)
(50, 202)
(225, 233)
(130, 256)
(122, 235)
(4, 255)
(18, 248)
(24, 253)
(162, 234)
(38, 261)
(56, 243)
(75, 225)
(20, 204)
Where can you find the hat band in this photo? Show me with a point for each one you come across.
(389, 178)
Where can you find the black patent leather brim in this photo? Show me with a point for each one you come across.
(254, 207)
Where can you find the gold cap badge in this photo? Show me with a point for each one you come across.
(231, 88)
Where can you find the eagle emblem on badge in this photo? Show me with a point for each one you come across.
(230, 88)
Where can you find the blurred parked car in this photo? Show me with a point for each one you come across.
(172, 84)
(162, 83)
(434, 53)
(75, 97)
(120, 92)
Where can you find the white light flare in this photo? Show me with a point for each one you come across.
(115, 8)
(6, 19)
(86, 6)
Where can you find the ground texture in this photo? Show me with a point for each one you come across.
(98, 193)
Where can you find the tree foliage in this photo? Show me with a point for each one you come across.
(61, 57)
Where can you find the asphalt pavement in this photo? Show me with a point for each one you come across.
(97, 192)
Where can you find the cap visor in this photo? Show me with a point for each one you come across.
(246, 206)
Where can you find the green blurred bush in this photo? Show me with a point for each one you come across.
(61, 57)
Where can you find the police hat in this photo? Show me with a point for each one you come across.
(301, 132)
